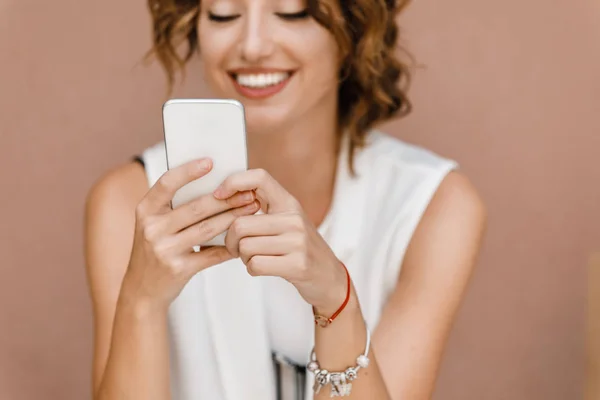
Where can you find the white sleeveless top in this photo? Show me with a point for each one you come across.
(225, 323)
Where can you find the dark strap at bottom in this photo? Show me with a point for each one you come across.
(290, 378)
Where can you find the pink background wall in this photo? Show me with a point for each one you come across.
(511, 89)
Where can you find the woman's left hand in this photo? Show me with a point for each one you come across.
(283, 242)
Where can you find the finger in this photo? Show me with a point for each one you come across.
(207, 229)
(161, 193)
(260, 265)
(260, 225)
(202, 208)
(273, 197)
(265, 246)
(207, 257)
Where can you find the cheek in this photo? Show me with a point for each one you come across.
(214, 47)
(321, 60)
(209, 51)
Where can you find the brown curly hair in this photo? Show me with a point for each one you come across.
(373, 81)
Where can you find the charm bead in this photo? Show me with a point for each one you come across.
(351, 374)
(322, 377)
(339, 386)
(363, 361)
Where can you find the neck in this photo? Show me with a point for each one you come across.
(303, 159)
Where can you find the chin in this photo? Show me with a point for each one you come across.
(264, 120)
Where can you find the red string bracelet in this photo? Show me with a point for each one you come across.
(323, 321)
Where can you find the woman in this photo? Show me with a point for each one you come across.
(338, 200)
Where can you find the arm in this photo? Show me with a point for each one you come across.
(130, 341)
(410, 339)
(139, 259)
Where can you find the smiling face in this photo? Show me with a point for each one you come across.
(272, 56)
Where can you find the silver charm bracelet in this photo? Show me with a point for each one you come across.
(341, 382)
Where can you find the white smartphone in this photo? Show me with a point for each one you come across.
(197, 128)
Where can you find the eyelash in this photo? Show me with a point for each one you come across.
(286, 16)
(294, 16)
(221, 18)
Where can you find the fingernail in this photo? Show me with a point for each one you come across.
(203, 165)
(218, 192)
(249, 196)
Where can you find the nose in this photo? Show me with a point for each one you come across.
(257, 41)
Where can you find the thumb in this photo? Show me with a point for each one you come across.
(207, 257)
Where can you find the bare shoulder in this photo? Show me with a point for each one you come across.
(458, 198)
(110, 216)
(117, 190)
(452, 227)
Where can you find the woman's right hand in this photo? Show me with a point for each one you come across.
(162, 258)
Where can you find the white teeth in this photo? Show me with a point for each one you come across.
(261, 80)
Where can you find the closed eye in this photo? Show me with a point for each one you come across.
(222, 18)
(294, 16)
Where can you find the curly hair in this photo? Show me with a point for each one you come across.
(373, 81)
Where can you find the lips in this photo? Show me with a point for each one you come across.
(260, 83)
